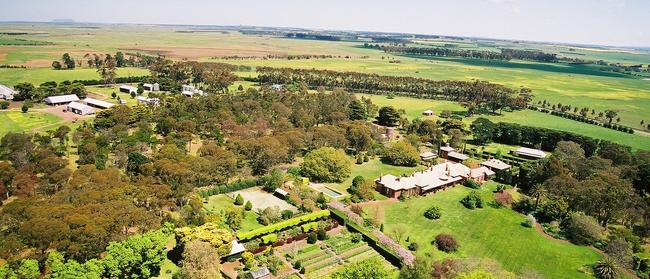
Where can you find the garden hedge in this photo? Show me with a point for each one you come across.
(243, 236)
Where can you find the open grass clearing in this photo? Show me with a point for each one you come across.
(218, 203)
(17, 122)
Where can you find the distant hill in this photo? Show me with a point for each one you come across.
(63, 20)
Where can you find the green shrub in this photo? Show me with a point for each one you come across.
(356, 237)
(311, 238)
(4, 105)
(413, 246)
(501, 188)
(530, 221)
(322, 234)
(432, 213)
(472, 200)
(239, 200)
(583, 229)
(471, 184)
(248, 206)
(606, 269)
(309, 226)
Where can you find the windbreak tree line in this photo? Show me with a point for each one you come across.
(480, 94)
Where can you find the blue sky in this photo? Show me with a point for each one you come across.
(609, 22)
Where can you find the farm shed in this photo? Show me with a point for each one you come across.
(6, 92)
(80, 108)
(151, 87)
(529, 153)
(128, 89)
(496, 165)
(98, 103)
(61, 100)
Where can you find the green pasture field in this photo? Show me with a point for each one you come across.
(487, 232)
(17, 122)
(414, 108)
(11, 77)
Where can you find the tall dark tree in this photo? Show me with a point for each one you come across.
(388, 116)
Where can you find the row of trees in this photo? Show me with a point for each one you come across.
(210, 76)
(505, 54)
(29, 92)
(479, 94)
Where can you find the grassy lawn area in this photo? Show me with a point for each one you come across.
(413, 106)
(487, 232)
(371, 170)
(16, 121)
(11, 77)
(222, 202)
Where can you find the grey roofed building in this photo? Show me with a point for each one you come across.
(428, 155)
(496, 164)
(261, 273)
(6, 92)
(529, 153)
(151, 87)
(277, 87)
(281, 192)
(427, 112)
(457, 156)
(80, 108)
(98, 103)
(61, 100)
(148, 101)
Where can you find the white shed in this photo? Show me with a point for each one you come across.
(80, 108)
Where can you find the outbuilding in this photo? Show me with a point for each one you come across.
(6, 93)
(61, 100)
(262, 273)
(457, 157)
(128, 89)
(98, 103)
(427, 112)
(529, 153)
(481, 174)
(428, 156)
(281, 193)
(496, 165)
(80, 108)
(151, 87)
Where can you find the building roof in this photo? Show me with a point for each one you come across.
(98, 103)
(433, 177)
(147, 85)
(61, 99)
(456, 155)
(496, 164)
(236, 248)
(427, 112)
(129, 87)
(536, 153)
(428, 155)
(81, 107)
(480, 171)
(447, 148)
(262, 272)
(277, 86)
(6, 92)
(281, 192)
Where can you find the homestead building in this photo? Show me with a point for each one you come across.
(496, 165)
(128, 89)
(432, 179)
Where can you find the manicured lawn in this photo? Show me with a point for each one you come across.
(223, 202)
(487, 232)
(16, 121)
(413, 106)
(371, 170)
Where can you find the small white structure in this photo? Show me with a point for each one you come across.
(61, 100)
(282, 193)
(128, 89)
(236, 248)
(148, 101)
(80, 108)
(529, 153)
(428, 156)
(190, 90)
(277, 87)
(427, 112)
(151, 87)
(122, 102)
(98, 103)
(6, 92)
